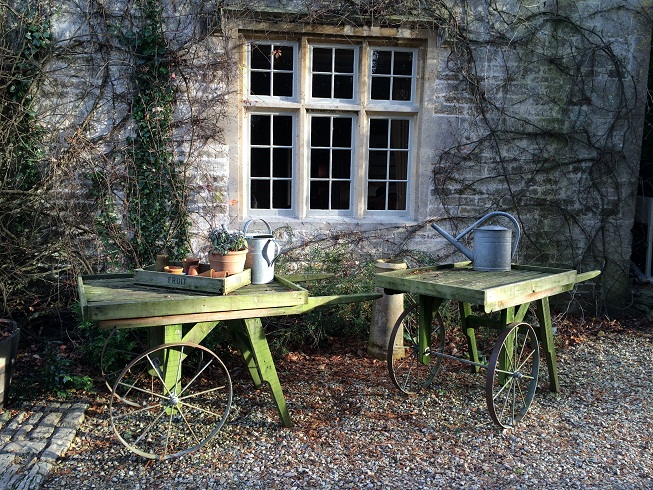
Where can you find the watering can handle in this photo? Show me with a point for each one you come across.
(256, 219)
(276, 255)
(490, 215)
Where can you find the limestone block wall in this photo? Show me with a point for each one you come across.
(536, 109)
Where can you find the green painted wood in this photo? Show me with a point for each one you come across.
(306, 277)
(468, 330)
(263, 358)
(494, 291)
(118, 297)
(545, 335)
(428, 305)
(197, 332)
(241, 342)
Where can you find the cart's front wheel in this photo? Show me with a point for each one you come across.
(512, 374)
(170, 400)
(412, 369)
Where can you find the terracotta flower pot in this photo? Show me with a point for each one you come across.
(231, 263)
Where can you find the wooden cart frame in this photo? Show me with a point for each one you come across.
(417, 342)
(174, 397)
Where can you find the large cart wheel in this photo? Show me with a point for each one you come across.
(120, 347)
(170, 400)
(407, 372)
(512, 374)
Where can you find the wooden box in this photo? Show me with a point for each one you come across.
(221, 285)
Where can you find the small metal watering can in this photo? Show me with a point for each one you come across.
(262, 251)
(492, 250)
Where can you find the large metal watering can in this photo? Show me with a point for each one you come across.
(492, 250)
(262, 251)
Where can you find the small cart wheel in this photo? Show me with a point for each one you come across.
(512, 374)
(170, 400)
(406, 371)
(120, 347)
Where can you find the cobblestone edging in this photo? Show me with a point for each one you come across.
(32, 437)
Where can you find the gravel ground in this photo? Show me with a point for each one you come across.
(352, 429)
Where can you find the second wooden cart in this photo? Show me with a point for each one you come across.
(417, 343)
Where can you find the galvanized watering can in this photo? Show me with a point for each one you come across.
(492, 250)
(262, 251)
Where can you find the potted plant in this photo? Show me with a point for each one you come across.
(227, 250)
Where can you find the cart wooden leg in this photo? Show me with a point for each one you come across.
(241, 342)
(169, 358)
(545, 334)
(261, 356)
(470, 334)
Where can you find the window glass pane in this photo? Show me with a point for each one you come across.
(260, 195)
(281, 191)
(322, 60)
(259, 83)
(375, 196)
(343, 87)
(398, 169)
(380, 88)
(341, 165)
(282, 163)
(320, 194)
(397, 195)
(283, 131)
(340, 195)
(260, 56)
(321, 86)
(399, 133)
(342, 132)
(381, 62)
(344, 61)
(282, 85)
(259, 129)
(283, 58)
(401, 88)
(403, 63)
(378, 165)
(260, 162)
(378, 133)
(319, 163)
(320, 131)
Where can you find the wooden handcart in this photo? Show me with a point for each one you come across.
(174, 396)
(417, 343)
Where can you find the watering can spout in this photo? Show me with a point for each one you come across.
(467, 252)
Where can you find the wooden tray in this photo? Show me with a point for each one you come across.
(221, 285)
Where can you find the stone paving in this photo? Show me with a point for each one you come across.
(32, 437)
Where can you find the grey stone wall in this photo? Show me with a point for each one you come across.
(536, 110)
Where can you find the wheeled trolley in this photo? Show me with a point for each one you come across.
(416, 346)
(174, 394)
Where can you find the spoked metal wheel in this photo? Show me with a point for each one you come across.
(170, 400)
(120, 347)
(407, 371)
(512, 374)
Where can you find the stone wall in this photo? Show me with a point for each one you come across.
(536, 111)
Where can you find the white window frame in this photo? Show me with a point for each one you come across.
(303, 106)
(331, 101)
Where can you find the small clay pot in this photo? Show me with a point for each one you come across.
(186, 263)
(173, 269)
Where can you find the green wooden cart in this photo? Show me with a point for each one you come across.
(174, 396)
(416, 345)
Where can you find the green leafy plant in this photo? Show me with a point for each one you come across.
(224, 241)
(56, 376)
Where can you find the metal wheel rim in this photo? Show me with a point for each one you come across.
(409, 383)
(109, 376)
(509, 401)
(171, 408)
